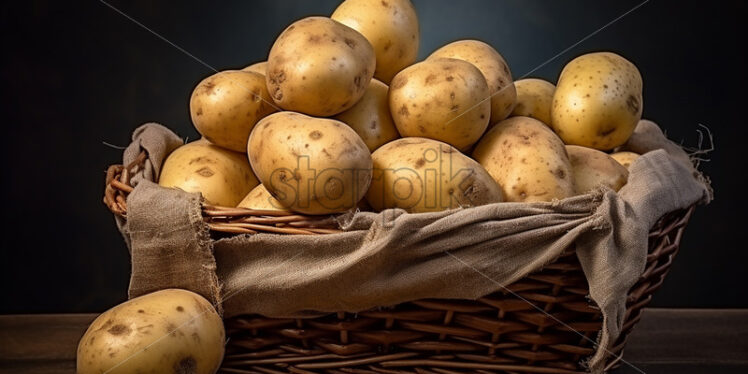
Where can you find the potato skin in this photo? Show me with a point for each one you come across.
(598, 101)
(534, 99)
(223, 177)
(311, 165)
(424, 175)
(258, 67)
(592, 169)
(319, 67)
(225, 106)
(169, 331)
(391, 27)
(493, 67)
(625, 158)
(527, 160)
(261, 199)
(442, 99)
(371, 117)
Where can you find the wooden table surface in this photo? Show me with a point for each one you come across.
(665, 341)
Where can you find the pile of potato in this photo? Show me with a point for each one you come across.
(341, 116)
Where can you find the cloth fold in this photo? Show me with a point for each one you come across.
(392, 257)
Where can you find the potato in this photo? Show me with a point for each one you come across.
(527, 159)
(258, 67)
(259, 198)
(223, 177)
(494, 69)
(625, 158)
(225, 106)
(371, 117)
(592, 169)
(534, 99)
(311, 165)
(424, 175)
(598, 101)
(391, 27)
(442, 99)
(169, 331)
(319, 67)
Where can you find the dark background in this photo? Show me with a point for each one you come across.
(77, 75)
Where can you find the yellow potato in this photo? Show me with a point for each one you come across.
(257, 67)
(371, 117)
(424, 175)
(311, 165)
(169, 331)
(442, 99)
(494, 69)
(527, 160)
(225, 107)
(223, 177)
(261, 199)
(319, 67)
(598, 101)
(625, 158)
(534, 99)
(391, 26)
(592, 169)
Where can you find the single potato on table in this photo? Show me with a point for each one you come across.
(310, 165)
(493, 67)
(225, 107)
(223, 177)
(261, 199)
(371, 117)
(391, 27)
(625, 158)
(319, 67)
(534, 99)
(424, 175)
(593, 168)
(527, 159)
(169, 331)
(598, 101)
(443, 99)
(257, 67)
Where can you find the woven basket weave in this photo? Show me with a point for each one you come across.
(543, 323)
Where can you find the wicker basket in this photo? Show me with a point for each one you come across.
(544, 323)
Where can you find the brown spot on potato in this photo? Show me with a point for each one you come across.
(420, 163)
(632, 103)
(141, 311)
(430, 79)
(350, 43)
(199, 111)
(607, 132)
(205, 172)
(387, 45)
(187, 365)
(450, 78)
(357, 82)
(399, 82)
(315, 135)
(119, 329)
(208, 87)
(324, 150)
(560, 173)
(180, 308)
(385, 4)
(373, 125)
(315, 39)
(404, 110)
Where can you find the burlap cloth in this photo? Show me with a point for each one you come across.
(392, 257)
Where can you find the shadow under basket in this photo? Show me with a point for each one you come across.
(543, 323)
